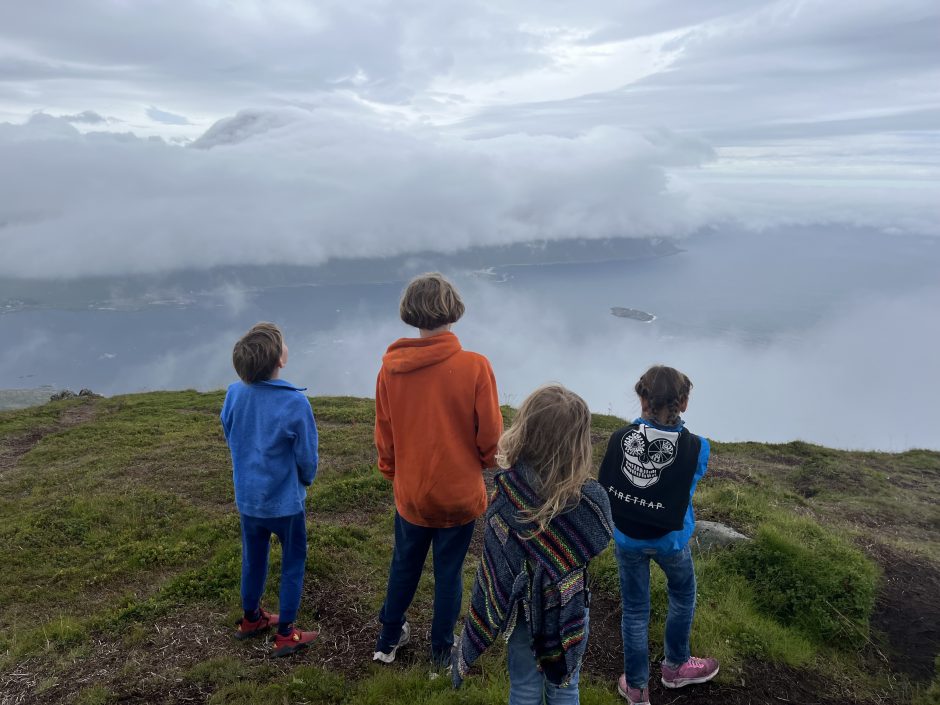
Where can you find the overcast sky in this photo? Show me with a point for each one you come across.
(145, 135)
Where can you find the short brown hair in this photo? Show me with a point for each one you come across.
(664, 389)
(430, 301)
(257, 353)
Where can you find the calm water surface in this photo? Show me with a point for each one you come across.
(822, 336)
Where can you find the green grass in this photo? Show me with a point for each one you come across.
(119, 516)
(806, 577)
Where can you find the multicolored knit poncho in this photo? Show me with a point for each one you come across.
(544, 574)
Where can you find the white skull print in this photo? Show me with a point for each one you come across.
(646, 453)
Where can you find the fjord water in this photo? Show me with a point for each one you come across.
(821, 335)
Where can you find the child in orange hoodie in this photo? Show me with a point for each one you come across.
(437, 423)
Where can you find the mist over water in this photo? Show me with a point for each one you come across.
(824, 335)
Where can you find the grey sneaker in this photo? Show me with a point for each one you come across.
(389, 656)
(634, 696)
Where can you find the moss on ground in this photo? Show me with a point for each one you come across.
(117, 516)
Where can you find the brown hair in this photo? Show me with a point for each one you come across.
(663, 390)
(430, 301)
(551, 434)
(257, 353)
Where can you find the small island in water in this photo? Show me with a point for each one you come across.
(633, 313)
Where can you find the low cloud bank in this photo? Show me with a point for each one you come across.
(303, 186)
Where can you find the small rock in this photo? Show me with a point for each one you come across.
(64, 394)
(712, 534)
(88, 393)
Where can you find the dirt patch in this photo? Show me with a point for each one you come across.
(12, 449)
(757, 684)
(348, 627)
(604, 655)
(76, 415)
(152, 669)
(907, 611)
(15, 447)
(720, 468)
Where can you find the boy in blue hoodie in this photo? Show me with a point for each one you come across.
(272, 435)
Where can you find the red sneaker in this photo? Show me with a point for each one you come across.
(249, 629)
(695, 670)
(295, 641)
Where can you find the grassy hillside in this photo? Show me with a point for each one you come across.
(120, 564)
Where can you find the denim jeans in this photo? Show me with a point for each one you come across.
(635, 596)
(291, 531)
(527, 685)
(411, 548)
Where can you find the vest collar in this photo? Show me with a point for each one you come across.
(678, 427)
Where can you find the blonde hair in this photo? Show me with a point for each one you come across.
(551, 435)
(430, 301)
(257, 353)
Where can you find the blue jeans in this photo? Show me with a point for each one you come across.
(527, 685)
(635, 596)
(411, 549)
(291, 531)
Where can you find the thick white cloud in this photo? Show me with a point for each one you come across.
(415, 125)
(304, 186)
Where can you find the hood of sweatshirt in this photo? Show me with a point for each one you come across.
(515, 483)
(280, 383)
(407, 354)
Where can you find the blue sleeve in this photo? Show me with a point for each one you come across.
(226, 414)
(305, 442)
(702, 468)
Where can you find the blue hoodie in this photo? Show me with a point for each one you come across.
(271, 432)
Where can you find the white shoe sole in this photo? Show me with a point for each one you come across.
(682, 682)
(403, 640)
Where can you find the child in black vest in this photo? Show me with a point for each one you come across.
(650, 472)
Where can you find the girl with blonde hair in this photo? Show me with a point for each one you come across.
(546, 521)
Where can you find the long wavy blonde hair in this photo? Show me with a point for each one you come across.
(551, 434)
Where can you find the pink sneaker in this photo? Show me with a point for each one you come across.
(695, 670)
(634, 696)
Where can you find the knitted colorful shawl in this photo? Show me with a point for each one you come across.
(545, 574)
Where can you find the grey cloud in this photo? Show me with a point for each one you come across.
(312, 185)
(340, 181)
(244, 126)
(255, 52)
(739, 67)
(39, 127)
(760, 71)
(89, 117)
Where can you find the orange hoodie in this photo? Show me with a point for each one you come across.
(437, 422)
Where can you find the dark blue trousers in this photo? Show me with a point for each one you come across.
(291, 531)
(411, 548)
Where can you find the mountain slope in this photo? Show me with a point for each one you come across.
(120, 553)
